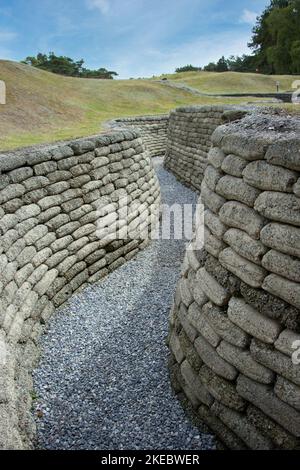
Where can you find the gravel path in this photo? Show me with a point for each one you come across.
(102, 382)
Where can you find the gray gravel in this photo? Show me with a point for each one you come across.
(102, 382)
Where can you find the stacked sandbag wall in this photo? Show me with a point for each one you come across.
(189, 141)
(235, 324)
(51, 245)
(153, 130)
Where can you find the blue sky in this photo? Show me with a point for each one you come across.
(134, 37)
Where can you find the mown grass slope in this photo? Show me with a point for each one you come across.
(44, 107)
(233, 82)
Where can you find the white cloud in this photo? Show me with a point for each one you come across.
(248, 17)
(6, 36)
(102, 5)
(147, 60)
(6, 54)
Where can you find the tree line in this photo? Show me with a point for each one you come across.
(275, 44)
(63, 65)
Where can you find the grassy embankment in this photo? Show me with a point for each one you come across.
(43, 107)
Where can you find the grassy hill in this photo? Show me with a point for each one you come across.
(233, 82)
(43, 107)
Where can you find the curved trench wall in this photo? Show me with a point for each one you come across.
(153, 130)
(189, 141)
(236, 314)
(49, 247)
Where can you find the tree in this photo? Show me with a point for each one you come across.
(275, 37)
(63, 65)
(275, 43)
(188, 68)
(211, 67)
(222, 65)
(244, 63)
(295, 55)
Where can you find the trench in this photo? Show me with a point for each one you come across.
(103, 381)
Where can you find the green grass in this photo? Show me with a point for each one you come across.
(44, 107)
(233, 82)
